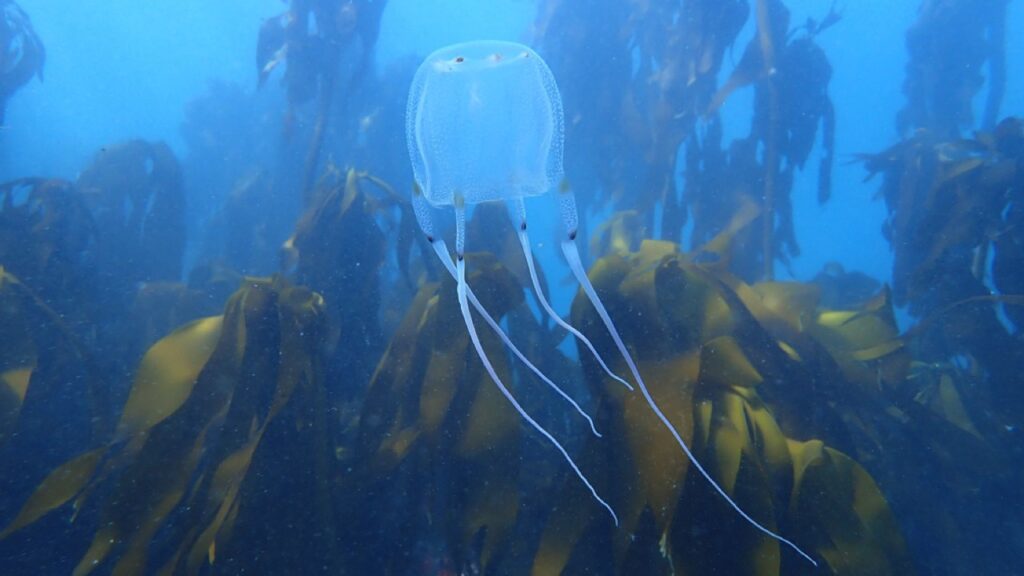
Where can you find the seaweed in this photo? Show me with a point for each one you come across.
(339, 250)
(46, 233)
(22, 55)
(41, 359)
(949, 45)
(311, 37)
(202, 430)
(654, 65)
(727, 364)
(335, 414)
(954, 232)
(435, 432)
(635, 83)
(133, 191)
(791, 74)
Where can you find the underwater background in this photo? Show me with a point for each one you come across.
(226, 346)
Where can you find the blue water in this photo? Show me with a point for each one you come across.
(123, 69)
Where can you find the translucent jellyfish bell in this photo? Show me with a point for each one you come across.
(484, 123)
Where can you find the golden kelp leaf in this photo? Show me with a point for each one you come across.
(57, 488)
(351, 190)
(721, 245)
(876, 352)
(957, 168)
(565, 529)
(167, 374)
(944, 399)
(13, 387)
(690, 308)
(385, 417)
(795, 302)
(865, 343)
(224, 492)
(835, 318)
(723, 363)
(16, 381)
(490, 418)
(440, 383)
(739, 425)
(104, 541)
(431, 403)
(740, 444)
(655, 466)
(619, 234)
(134, 559)
(790, 351)
(836, 506)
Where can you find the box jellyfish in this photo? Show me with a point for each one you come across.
(484, 124)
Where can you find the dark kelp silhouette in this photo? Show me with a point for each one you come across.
(41, 359)
(339, 250)
(949, 45)
(134, 192)
(46, 234)
(21, 52)
(955, 234)
(624, 120)
(791, 74)
(312, 37)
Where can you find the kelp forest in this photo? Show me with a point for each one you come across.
(284, 384)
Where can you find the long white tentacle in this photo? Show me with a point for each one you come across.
(573, 256)
(446, 259)
(524, 241)
(462, 290)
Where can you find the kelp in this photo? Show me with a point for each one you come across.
(54, 404)
(949, 45)
(436, 433)
(339, 249)
(39, 356)
(641, 84)
(46, 235)
(953, 200)
(709, 359)
(134, 192)
(246, 232)
(197, 451)
(634, 83)
(954, 227)
(791, 74)
(21, 52)
(311, 37)
(946, 200)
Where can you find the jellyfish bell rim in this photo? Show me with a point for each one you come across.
(477, 55)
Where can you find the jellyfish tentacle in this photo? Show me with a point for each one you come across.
(575, 263)
(462, 290)
(423, 217)
(446, 259)
(524, 241)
